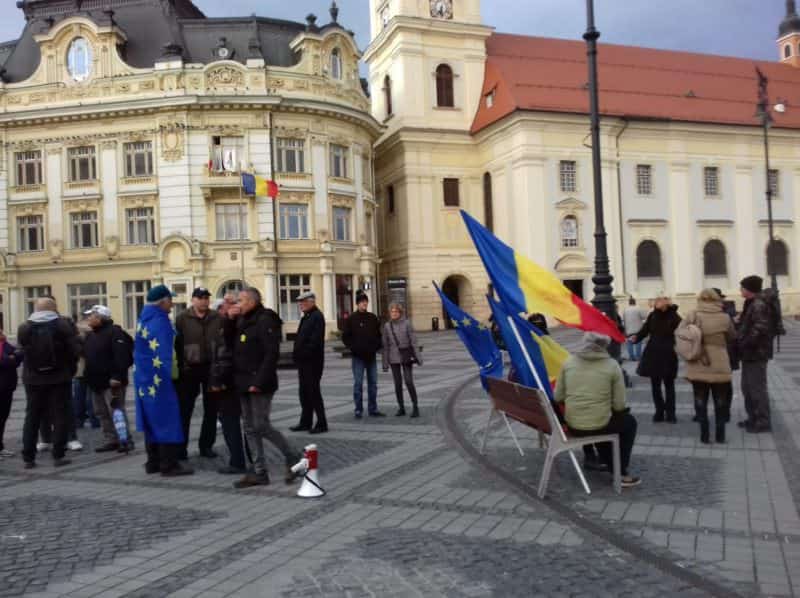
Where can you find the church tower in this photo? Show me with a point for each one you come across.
(789, 36)
(427, 61)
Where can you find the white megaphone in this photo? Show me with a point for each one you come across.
(307, 467)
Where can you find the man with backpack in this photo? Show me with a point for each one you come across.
(758, 325)
(50, 347)
(108, 352)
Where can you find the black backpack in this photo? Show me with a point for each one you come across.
(772, 300)
(45, 345)
(120, 336)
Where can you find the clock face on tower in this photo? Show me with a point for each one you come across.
(442, 9)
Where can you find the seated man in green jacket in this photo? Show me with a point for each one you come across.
(592, 388)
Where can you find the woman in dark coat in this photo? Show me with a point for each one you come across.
(659, 360)
(10, 358)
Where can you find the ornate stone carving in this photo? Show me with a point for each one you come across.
(112, 247)
(147, 85)
(109, 144)
(293, 132)
(56, 247)
(225, 76)
(226, 130)
(195, 82)
(172, 141)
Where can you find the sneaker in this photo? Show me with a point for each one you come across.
(629, 481)
(126, 447)
(43, 446)
(594, 465)
(252, 479)
(358, 415)
(61, 462)
(377, 414)
(6, 453)
(74, 445)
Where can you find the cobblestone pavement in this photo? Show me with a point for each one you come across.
(412, 510)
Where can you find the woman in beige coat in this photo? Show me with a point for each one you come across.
(712, 372)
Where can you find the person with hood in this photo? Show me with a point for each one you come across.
(158, 414)
(309, 356)
(659, 361)
(10, 358)
(592, 389)
(400, 353)
(256, 348)
(711, 373)
(108, 354)
(759, 323)
(50, 346)
(362, 335)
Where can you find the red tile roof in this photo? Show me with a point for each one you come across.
(550, 75)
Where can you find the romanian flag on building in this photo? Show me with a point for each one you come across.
(525, 287)
(258, 186)
(476, 337)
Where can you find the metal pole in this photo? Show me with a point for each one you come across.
(243, 228)
(603, 288)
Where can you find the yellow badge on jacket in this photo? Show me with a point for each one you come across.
(243, 338)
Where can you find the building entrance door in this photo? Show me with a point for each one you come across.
(576, 286)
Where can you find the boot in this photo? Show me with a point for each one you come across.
(401, 409)
(720, 437)
(415, 411)
(704, 432)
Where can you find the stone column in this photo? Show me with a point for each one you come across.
(749, 248)
(358, 180)
(680, 259)
(271, 291)
(319, 159)
(329, 296)
(108, 172)
(16, 311)
(55, 184)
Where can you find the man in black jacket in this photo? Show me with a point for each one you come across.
(50, 347)
(195, 328)
(362, 335)
(256, 347)
(309, 356)
(108, 353)
(755, 334)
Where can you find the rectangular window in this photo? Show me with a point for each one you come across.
(644, 179)
(227, 154)
(368, 228)
(84, 230)
(451, 198)
(82, 163)
(292, 285)
(339, 161)
(774, 182)
(568, 176)
(141, 226)
(29, 168)
(231, 221)
(366, 174)
(31, 233)
(84, 296)
(341, 223)
(138, 158)
(134, 295)
(294, 221)
(711, 181)
(34, 293)
(390, 198)
(291, 155)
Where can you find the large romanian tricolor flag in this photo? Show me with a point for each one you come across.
(525, 287)
(258, 186)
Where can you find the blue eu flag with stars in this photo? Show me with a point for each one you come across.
(157, 411)
(477, 338)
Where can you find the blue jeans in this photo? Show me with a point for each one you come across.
(634, 351)
(371, 367)
(82, 406)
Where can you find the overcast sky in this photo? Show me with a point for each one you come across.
(745, 28)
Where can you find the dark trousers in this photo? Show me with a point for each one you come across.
(51, 404)
(257, 426)
(754, 389)
(226, 406)
(5, 410)
(165, 456)
(310, 376)
(82, 406)
(401, 372)
(192, 381)
(719, 393)
(623, 424)
(660, 403)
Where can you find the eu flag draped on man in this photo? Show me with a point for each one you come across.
(157, 411)
(476, 338)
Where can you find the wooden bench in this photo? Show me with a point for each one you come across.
(531, 407)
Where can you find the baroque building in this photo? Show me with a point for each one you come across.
(124, 127)
(498, 125)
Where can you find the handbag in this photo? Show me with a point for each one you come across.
(407, 356)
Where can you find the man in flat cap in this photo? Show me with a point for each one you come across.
(309, 356)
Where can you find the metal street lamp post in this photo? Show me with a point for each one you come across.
(602, 279)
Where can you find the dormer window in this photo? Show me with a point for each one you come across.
(490, 99)
(336, 64)
(787, 51)
(79, 59)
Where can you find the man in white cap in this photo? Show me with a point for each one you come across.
(309, 356)
(108, 351)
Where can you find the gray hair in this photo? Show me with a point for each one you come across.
(253, 293)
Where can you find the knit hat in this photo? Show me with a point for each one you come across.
(158, 292)
(752, 283)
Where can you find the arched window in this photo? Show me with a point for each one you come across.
(444, 86)
(569, 232)
(387, 92)
(778, 258)
(787, 51)
(648, 260)
(715, 261)
(488, 206)
(336, 64)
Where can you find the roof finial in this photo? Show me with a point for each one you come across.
(334, 12)
(791, 10)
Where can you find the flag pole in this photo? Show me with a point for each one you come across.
(242, 212)
(528, 359)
